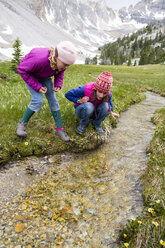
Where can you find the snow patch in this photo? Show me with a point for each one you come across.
(8, 30)
(49, 15)
(159, 16)
(148, 12)
(3, 41)
(6, 52)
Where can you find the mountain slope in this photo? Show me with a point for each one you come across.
(86, 23)
(146, 46)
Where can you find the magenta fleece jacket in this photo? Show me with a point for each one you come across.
(35, 65)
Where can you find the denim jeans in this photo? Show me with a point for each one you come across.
(37, 97)
(86, 111)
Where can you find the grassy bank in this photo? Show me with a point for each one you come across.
(129, 85)
(148, 230)
(41, 139)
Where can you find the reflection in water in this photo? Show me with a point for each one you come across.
(101, 188)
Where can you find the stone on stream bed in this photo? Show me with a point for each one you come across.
(79, 200)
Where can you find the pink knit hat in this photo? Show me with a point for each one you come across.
(103, 82)
(66, 52)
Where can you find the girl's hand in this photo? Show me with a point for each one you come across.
(43, 90)
(56, 89)
(114, 115)
(84, 99)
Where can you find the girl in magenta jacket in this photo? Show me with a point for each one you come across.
(36, 69)
(93, 101)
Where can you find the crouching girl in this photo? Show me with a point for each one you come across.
(93, 101)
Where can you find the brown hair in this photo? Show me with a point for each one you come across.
(105, 98)
(53, 57)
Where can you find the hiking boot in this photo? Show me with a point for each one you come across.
(99, 130)
(80, 129)
(21, 129)
(62, 134)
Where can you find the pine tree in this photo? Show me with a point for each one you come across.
(17, 54)
(87, 61)
(129, 61)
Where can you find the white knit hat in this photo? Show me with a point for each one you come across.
(66, 52)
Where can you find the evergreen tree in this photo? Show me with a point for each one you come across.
(87, 61)
(94, 60)
(17, 54)
(129, 61)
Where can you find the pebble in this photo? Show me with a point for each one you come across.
(72, 201)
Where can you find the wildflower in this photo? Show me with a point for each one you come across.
(139, 221)
(26, 143)
(162, 242)
(158, 201)
(155, 223)
(126, 244)
(154, 157)
(125, 235)
(133, 219)
(151, 210)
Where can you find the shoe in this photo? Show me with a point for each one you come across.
(99, 130)
(80, 129)
(62, 134)
(21, 129)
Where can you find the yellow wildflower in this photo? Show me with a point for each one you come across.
(158, 201)
(26, 143)
(151, 210)
(155, 223)
(139, 221)
(126, 244)
(125, 235)
(162, 242)
(133, 219)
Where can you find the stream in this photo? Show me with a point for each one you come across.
(79, 200)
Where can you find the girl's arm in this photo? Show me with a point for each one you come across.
(75, 94)
(25, 69)
(58, 79)
(110, 101)
(113, 115)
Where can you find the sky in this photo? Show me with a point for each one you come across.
(117, 4)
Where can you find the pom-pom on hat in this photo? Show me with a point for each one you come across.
(66, 52)
(104, 82)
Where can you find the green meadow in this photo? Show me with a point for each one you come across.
(129, 86)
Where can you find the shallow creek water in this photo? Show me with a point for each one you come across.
(94, 193)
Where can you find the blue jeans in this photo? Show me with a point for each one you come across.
(37, 97)
(86, 111)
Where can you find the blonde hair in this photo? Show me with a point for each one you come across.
(53, 57)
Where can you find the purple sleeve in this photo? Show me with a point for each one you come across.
(58, 79)
(26, 67)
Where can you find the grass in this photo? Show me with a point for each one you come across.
(128, 87)
(148, 230)
(41, 139)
